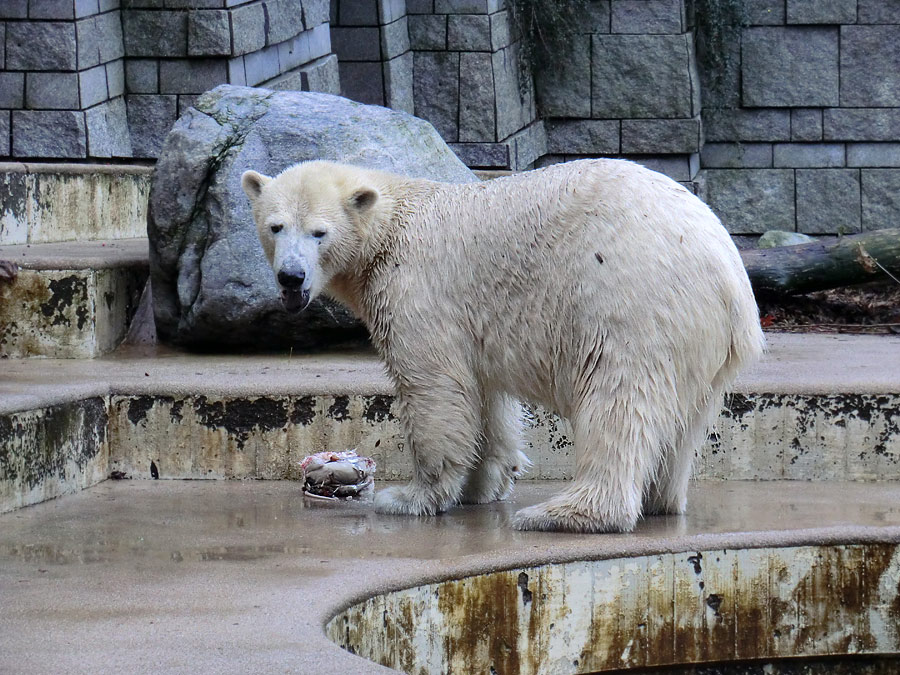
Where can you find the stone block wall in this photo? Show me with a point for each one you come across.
(626, 86)
(108, 78)
(371, 40)
(62, 79)
(469, 84)
(803, 131)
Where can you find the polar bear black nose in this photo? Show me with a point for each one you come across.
(291, 278)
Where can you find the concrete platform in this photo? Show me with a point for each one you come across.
(202, 577)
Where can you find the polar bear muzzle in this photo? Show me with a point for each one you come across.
(292, 279)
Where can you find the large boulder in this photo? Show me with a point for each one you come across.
(212, 287)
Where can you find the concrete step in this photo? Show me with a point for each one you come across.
(817, 408)
(201, 577)
(70, 300)
(43, 202)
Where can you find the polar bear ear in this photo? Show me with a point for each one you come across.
(364, 199)
(253, 183)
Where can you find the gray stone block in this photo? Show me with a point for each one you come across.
(751, 201)
(682, 168)
(86, 8)
(736, 156)
(356, 44)
(185, 101)
(261, 66)
(746, 125)
(529, 144)
(248, 24)
(89, 39)
(647, 16)
(5, 126)
(319, 39)
(12, 90)
(483, 155)
(40, 45)
(502, 30)
(149, 119)
(398, 83)
(156, 34)
(236, 73)
(661, 136)
(514, 98)
(427, 31)
(209, 33)
(14, 9)
(477, 120)
(51, 9)
(790, 66)
(828, 201)
(469, 32)
(878, 11)
(419, 6)
(821, 11)
(142, 76)
(108, 5)
(880, 198)
(583, 137)
(806, 124)
(194, 76)
(115, 78)
(48, 134)
(362, 81)
(107, 129)
(642, 76)
(358, 13)
(764, 12)
(391, 10)
(862, 124)
(197, 4)
(598, 18)
(323, 75)
(873, 154)
(394, 39)
(294, 52)
(51, 91)
(870, 66)
(315, 13)
(285, 20)
(466, 6)
(809, 155)
(92, 86)
(564, 88)
(109, 28)
(436, 94)
(2, 46)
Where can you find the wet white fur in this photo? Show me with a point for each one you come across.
(479, 295)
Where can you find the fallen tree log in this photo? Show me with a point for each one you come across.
(830, 263)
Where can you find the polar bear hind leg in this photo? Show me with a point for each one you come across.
(617, 445)
(500, 461)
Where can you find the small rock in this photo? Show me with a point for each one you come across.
(774, 238)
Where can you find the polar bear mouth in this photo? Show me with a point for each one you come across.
(294, 300)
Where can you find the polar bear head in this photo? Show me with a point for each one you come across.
(312, 220)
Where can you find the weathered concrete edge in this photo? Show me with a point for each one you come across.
(356, 589)
(74, 169)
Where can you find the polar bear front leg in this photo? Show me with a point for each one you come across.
(615, 448)
(500, 461)
(442, 420)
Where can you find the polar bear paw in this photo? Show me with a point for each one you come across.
(494, 479)
(404, 500)
(559, 516)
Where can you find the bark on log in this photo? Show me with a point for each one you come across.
(831, 263)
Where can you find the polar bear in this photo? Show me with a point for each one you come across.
(598, 289)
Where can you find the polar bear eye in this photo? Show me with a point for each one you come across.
(276, 228)
(318, 234)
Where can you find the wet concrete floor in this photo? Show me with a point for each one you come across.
(191, 576)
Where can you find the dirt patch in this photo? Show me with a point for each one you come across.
(870, 308)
